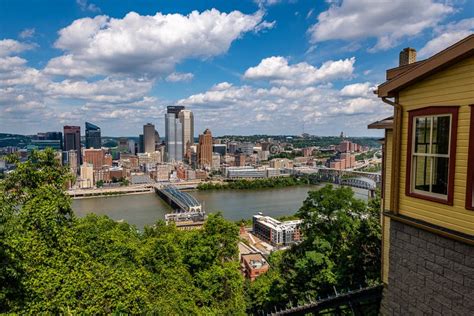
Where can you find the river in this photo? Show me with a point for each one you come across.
(146, 209)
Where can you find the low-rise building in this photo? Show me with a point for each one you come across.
(86, 180)
(281, 163)
(253, 265)
(275, 232)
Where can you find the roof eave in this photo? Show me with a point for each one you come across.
(445, 58)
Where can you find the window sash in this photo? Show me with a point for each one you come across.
(431, 156)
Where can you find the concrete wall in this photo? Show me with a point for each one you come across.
(428, 274)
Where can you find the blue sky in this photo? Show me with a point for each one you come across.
(243, 67)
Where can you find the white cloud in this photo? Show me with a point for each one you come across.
(247, 109)
(264, 26)
(179, 76)
(357, 90)
(10, 46)
(84, 5)
(277, 70)
(27, 33)
(147, 46)
(446, 36)
(106, 90)
(387, 21)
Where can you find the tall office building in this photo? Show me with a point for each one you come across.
(174, 134)
(93, 137)
(149, 138)
(186, 118)
(72, 141)
(205, 149)
(141, 145)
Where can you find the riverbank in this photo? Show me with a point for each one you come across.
(111, 194)
(137, 189)
(267, 183)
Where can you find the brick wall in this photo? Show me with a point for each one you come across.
(428, 274)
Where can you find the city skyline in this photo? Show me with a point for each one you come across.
(273, 67)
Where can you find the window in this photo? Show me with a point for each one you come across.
(431, 153)
(470, 166)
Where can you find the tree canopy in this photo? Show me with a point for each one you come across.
(53, 262)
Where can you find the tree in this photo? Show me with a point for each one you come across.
(55, 263)
(340, 248)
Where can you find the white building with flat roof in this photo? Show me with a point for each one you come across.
(276, 232)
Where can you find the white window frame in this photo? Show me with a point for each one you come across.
(429, 155)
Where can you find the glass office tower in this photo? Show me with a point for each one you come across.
(93, 137)
(174, 134)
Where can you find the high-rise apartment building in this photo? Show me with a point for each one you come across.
(186, 118)
(149, 138)
(93, 137)
(174, 134)
(205, 149)
(72, 141)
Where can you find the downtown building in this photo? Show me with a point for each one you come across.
(204, 150)
(179, 132)
(149, 139)
(72, 142)
(93, 136)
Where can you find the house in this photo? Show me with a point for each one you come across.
(428, 183)
(253, 265)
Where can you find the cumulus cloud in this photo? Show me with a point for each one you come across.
(388, 22)
(357, 90)
(147, 46)
(285, 108)
(179, 76)
(277, 70)
(9, 47)
(446, 36)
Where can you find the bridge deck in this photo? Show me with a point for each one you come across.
(186, 201)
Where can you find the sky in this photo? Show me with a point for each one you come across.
(243, 67)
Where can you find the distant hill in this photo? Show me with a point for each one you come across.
(14, 140)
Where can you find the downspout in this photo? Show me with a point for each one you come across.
(396, 154)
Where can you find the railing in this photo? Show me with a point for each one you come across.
(364, 301)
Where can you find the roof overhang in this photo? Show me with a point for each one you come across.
(386, 123)
(421, 70)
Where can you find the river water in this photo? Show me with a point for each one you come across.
(146, 209)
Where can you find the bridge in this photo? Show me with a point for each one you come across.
(374, 176)
(359, 182)
(178, 199)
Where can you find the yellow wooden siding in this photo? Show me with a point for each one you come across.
(387, 173)
(453, 86)
(385, 248)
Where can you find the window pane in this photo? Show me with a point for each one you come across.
(422, 138)
(441, 126)
(422, 173)
(440, 175)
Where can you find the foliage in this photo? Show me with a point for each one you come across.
(340, 248)
(244, 184)
(287, 155)
(99, 183)
(372, 168)
(55, 263)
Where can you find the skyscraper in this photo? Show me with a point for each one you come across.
(205, 149)
(93, 137)
(149, 138)
(186, 118)
(174, 134)
(72, 141)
